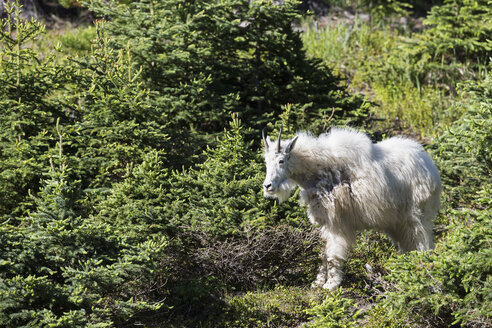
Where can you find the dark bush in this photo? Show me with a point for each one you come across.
(215, 58)
(274, 256)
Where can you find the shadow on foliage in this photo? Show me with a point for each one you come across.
(204, 270)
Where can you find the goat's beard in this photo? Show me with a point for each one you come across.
(283, 191)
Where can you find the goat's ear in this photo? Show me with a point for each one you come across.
(266, 139)
(291, 145)
(267, 142)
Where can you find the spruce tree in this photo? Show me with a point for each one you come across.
(59, 269)
(28, 108)
(218, 57)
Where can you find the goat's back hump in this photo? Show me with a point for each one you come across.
(344, 142)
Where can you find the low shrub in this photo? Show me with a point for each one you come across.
(58, 269)
(450, 286)
(335, 311)
(279, 307)
(78, 41)
(463, 152)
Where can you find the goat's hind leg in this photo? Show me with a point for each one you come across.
(416, 236)
(416, 232)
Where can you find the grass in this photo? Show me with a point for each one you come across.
(422, 110)
(370, 60)
(279, 307)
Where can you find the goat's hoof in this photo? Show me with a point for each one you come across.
(319, 282)
(332, 284)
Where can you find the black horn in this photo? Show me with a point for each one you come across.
(265, 141)
(278, 140)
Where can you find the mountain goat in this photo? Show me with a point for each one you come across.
(350, 184)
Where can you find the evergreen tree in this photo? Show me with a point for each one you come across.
(28, 110)
(116, 119)
(218, 57)
(454, 46)
(58, 269)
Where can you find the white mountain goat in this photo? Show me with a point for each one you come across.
(350, 184)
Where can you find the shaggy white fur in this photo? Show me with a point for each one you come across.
(350, 184)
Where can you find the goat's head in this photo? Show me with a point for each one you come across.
(277, 183)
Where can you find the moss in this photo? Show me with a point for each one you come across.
(279, 307)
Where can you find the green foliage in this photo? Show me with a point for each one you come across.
(464, 151)
(141, 201)
(454, 46)
(108, 119)
(117, 120)
(59, 266)
(451, 285)
(279, 307)
(28, 109)
(335, 311)
(61, 270)
(79, 40)
(459, 29)
(219, 57)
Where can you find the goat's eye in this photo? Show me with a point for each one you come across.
(281, 161)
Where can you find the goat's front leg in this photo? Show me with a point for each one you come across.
(333, 258)
(321, 276)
